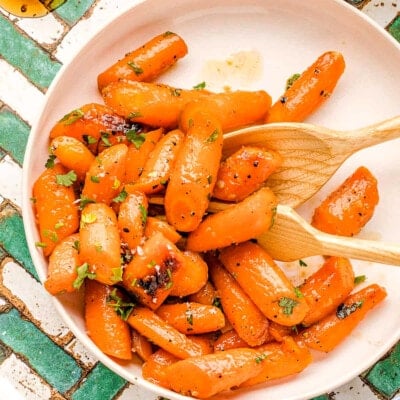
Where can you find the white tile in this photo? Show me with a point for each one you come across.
(382, 12)
(354, 390)
(135, 392)
(79, 352)
(10, 187)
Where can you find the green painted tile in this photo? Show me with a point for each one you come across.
(58, 368)
(323, 397)
(385, 375)
(394, 28)
(25, 55)
(73, 10)
(13, 135)
(13, 241)
(101, 383)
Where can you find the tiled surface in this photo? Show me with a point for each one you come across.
(32, 337)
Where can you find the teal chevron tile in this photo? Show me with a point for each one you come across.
(55, 366)
(13, 135)
(73, 10)
(25, 55)
(323, 397)
(394, 28)
(101, 383)
(12, 239)
(385, 375)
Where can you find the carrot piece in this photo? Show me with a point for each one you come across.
(160, 162)
(247, 320)
(237, 223)
(153, 270)
(146, 62)
(159, 332)
(193, 177)
(138, 151)
(87, 123)
(327, 288)
(206, 295)
(73, 154)
(153, 369)
(192, 318)
(141, 346)
(278, 332)
(55, 209)
(265, 283)
(244, 172)
(132, 218)
(106, 174)
(229, 340)
(330, 331)
(100, 243)
(62, 267)
(279, 360)
(193, 275)
(152, 104)
(204, 376)
(348, 208)
(154, 224)
(314, 86)
(105, 327)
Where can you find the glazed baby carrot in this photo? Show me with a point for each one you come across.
(314, 86)
(327, 288)
(153, 104)
(348, 208)
(247, 320)
(204, 376)
(193, 275)
(147, 61)
(62, 268)
(329, 332)
(159, 332)
(245, 171)
(100, 243)
(192, 318)
(56, 211)
(153, 270)
(73, 154)
(206, 295)
(153, 369)
(229, 340)
(193, 176)
(141, 345)
(237, 223)
(158, 166)
(154, 224)
(105, 176)
(265, 283)
(104, 323)
(132, 219)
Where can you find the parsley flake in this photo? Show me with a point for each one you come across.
(67, 179)
(72, 117)
(213, 137)
(50, 161)
(287, 305)
(121, 196)
(200, 86)
(260, 358)
(136, 138)
(83, 272)
(136, 69)
(122, 308)
(291, 80)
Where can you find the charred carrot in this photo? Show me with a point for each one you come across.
(104, 323)
(314, 86)
(244, 172)
(237, 223)
(348, 208)
(147, 61)
(265, 283)
(55, 206)
(153, 369)
(154, 224)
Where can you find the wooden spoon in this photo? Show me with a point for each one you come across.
(311, 154)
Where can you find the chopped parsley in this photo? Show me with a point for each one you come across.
(136, 69)
(117, 274)
(121, 196)
(83, 273)
(359, 279)
(105, 138)
(260, 358)
(143, 213)
(72, 117)
(122, 308)
(200, 86)
(291, 80)
(134, 114)
(136, 138)
(287, 304)
(94, 178)
(84, 201)
(302, 263)
(67, 179)
(213, 137)
(50, 161)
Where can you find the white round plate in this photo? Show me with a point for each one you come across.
(287, 36)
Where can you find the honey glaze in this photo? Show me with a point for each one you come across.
(30, 8)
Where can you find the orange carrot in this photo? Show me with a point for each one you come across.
(327, 288)
(104, 325)
(132, 218)
(265, 283)
(55, 208)
(73, 154)
(205, 376)
(329, 332)
(141, 346)
(100, 243)
(193, 177)
(146, 62)
(206, 295)
(347, 209)
(244, 172)
(159, 332)
(314, 86)
(153, 369)
(62, 267)
(229, 340)
(237, 223)
(154, 224)
(247, 320)
(105, 176)
(160, 162)
(153, 270)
